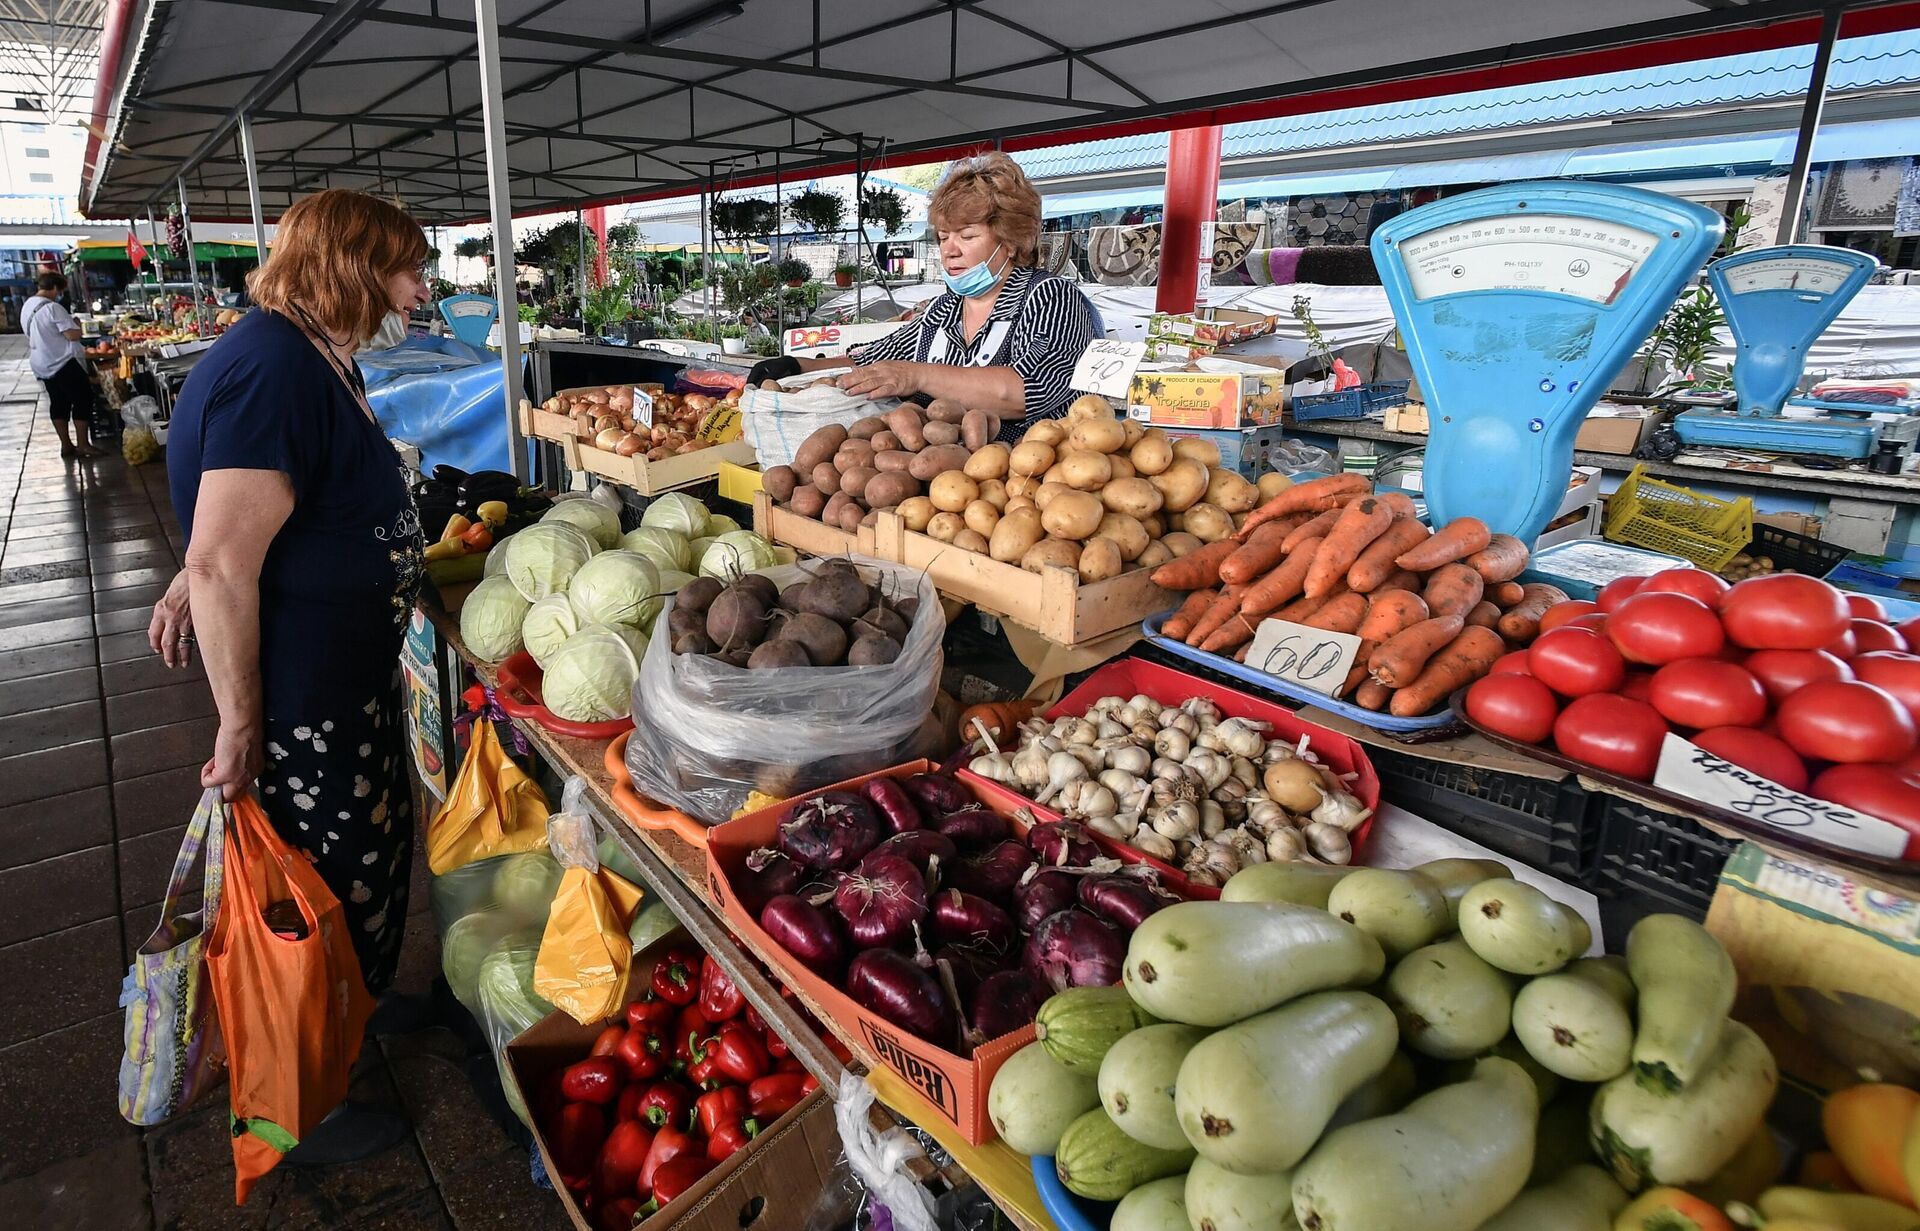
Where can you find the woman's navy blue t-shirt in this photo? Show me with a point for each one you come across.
(340, 576)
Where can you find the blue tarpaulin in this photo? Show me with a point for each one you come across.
(443, 396)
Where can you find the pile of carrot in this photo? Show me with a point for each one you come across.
(1433, 608)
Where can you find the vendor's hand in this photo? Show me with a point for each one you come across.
(239, 754)
(170, 632)
(890, 378)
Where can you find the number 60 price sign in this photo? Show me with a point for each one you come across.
(1310, 657)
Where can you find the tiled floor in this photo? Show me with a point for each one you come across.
(100, 746)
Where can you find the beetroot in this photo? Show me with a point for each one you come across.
(973, 826)
(1062, 844)
(965, 918)
(882, 901)
(939, 794)
(893, 987)
(897, 808)
(927, 849)
(805, 931)
(766, 876)
(1042, 894)
(1124, 901)
(1073, 949)
(1003, 1003)
(830, 831)
(993, 873)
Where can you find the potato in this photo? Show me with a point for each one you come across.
(1135, 430)
(1156, 526)
(1058, 553)
(1031, 457)
(1097, 435)
(852, 513)
(1048, 432)
(1122, 466)
(945, 410)
(854, 482)
(972, 540)
(1047, 492)
(953, 491)
(1123, 532)
(1134, 497)
(826, 477)
(942, 433)
(1272, 485)
(853, 453)
(1088, 407)
(867, 428)
(1099, 560)
(882, 441)
(820, 446)
(893, 461)
(807, 500)
(1180, 543)
(1154, 556)
(1229, 491)
(1087, 472)
(1152, 453)
(1015, 532)
(1019, 502)
(1181, 484)
(1239, 519)
(1199, 449)
(831, 513)
(1022, 485)
(906, 423)
(1072, 515)
(1054, 475)
(981, 516)
(916, 512)
(994, 492)
(779, 483)
(885, 490)
(989, 462)
(977, 428)
(1206, 522)
(930, 462)
(872, 518)
(944, 526)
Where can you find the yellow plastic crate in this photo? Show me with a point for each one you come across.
(1665, 517)
(738, 483)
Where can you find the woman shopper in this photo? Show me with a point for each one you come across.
(59, 359)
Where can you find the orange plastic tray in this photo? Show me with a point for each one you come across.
(519, 695)
(642, 811)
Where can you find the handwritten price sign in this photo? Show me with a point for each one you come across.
(1107, 367)
(1310, 657)
(643, 408)
(1686, 769)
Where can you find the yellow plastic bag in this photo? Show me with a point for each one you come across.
(585, 954)
(492, 809)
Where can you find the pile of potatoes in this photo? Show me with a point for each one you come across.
(841, 475)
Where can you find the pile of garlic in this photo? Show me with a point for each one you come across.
(1181, 783)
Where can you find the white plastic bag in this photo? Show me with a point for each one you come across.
(777, 422)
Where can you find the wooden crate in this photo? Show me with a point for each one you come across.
(647, 478)
(805, 535)
(544, 424)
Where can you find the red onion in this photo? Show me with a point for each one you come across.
(1042, 894)
(938, 794)
(1124, 901)
(927, 849)
(897, 809)
(993, 873)
(882, 901)
(973, 826)
(970, 964)
(1062, 844)
(766, 876)
(1073, 949)
(891, 986)
(968, 919)
(831, 831)
(805, 931)
(1005, 1002)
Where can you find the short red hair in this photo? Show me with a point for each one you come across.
(332, 255)
(990, 189)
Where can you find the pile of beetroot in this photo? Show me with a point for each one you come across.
(932, 912)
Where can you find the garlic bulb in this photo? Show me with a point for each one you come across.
(1341, 809)
(1110, 826)
(1329, 842)
(1213, 818)
(994, 767)
(1145, 839)
(1173, 744)
(1062, 768)
(1286, 845)
(1178, 820)
(1132, 759)
(1247, 845)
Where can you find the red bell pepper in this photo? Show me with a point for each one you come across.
(788, 1063)
(676, 979)
(673, 1178)
(720, 1000)
(642, 1052)
(596, 1079)
(649, 1011)
(666, 1104)
(607, 1040)
(668, 1144)
(774, 1095)
(754, 1019)
(722, 1115)
(574, 1138)
(618, 1214)
(738, 1055)
(621, 1157)
(628, 1108)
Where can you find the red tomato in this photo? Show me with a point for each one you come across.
(1595, 620)
(1877, 790)
(1872, 635)
(1576, 661)
(1565, 613)
(1618, 591)
(1766, 755)
(1705, 692)
(1513, 662)
(1909, 630)
(1785, 611)
(1845, 721)
(1664, 627)
(1865, 607)
(1908, 769)
(1612, 733)
(1516, 706)
(1845, 646)
(1692, 582)
(1638, 685)
(1898, 673)
(1782, 671)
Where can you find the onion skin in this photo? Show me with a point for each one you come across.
(974, 826)
(766, 876)
(1046, 893)
(927, 849)
(1005, 1002)
(1074, 949)
(1062, 844)
(892, 987)
(962, 918)
(939, 794)
(831, 831)
(897, 810)
(1124, 901)
(881, 903)
(994, 873)
(805, 931)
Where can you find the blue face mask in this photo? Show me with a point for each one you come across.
(972, 283)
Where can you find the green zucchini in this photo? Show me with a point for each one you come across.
(1078, 1025)
(1609, 973)
(1401, 910)
(1222, 1200)
(1519, 929)
(1387, 1092)
(1303, 884)
(1583, 1198)
(1686, 983)
(1450, 1004)
(1033, 1100)
(1456, 876)
(1159, 1206)
(1136, 1082)
(1212, 963)
(1647, 1138)
(1253, 1098)
(1096, 1160)
(1574, 1026)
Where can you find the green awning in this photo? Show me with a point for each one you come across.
(204, 250)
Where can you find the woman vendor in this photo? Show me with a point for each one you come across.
(1003, 336)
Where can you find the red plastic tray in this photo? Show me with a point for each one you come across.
(1127, 676)
(641, 811)
(519, 694)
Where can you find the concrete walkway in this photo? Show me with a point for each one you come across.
(100, 749)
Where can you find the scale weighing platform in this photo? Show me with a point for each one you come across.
(1778, 301)
(1519, 305)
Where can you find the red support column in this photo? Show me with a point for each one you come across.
(1193, 190)
(597, 223)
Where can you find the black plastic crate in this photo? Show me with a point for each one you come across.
(1795, 553)
(1541, 823)
(1654, 861)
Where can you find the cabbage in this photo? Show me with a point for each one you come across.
(549, 622)
(651, 922)
(458, 892)
(543, 558)
(668, 549)
(599, 521)
(678, 512)
(509, 1005)
(466, 945)
(490, 619)
(590, 677)
(672, 579)
(719, 524)
(616, 587)
(700, 546)
(734, 553)
(496, 562)
(525, 884)
(614, 858)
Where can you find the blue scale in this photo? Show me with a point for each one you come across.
(1518, 306)
(1777, 302)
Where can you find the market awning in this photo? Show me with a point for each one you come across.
(96, 250)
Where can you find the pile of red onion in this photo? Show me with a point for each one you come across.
(921, 901)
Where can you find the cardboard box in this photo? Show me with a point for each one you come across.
(1209, 329)
(1207, 399)
(1410, 418)
(1619, 432)
(832, 341)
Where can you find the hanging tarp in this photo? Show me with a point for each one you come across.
(442, 396)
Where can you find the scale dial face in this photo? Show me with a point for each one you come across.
(1788, 273)
(1586, 258)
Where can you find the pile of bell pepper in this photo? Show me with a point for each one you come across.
(688, 1077)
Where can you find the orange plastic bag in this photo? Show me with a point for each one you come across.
(493, 808)
(291, 1000)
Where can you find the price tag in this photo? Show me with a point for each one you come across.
(643, 408)
(1310, 657)
(1686, 769)
(722, 424)
(1107, 367)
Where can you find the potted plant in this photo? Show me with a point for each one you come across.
(884, 206)
(740, 218)
(843, 275)
(794, 272)
(733, 339)
(818, 210)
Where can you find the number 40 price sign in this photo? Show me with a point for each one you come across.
(1310, 657)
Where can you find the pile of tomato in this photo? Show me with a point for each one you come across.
(1785, 676)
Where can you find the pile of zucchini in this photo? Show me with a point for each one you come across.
(1364, 1049)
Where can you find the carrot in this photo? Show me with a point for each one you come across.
(1390, 612)
(1238, 630)
(1317, 528)
(1283, 584)
(1375, 564)
(1373, 695)
(1300, 610)
(1521, 624)
(1402, 579)
(1216, 614)
(1360, 524)
(1240, 655)
(1196, 570)
(1484, 615)
(1261, 552)
(1506, 594)
(1180, 623)
(1287, 524)
(1502, 559)
(1356, 676)
(1459, 539)
(1401, 657)
(1453, 589)
(1401, 503)
(1341, 615)
(1313, 496)
(1463, 660)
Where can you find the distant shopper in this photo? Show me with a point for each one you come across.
(60, 361)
